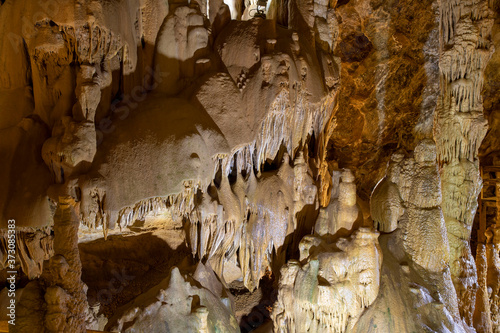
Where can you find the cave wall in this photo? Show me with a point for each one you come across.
(335, 146)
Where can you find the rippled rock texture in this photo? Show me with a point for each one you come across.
(166, 160)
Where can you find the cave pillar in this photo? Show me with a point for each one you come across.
(465, 45)
(65, 293)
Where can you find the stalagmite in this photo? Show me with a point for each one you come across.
(177, 304)
(342, 211)
(331, 289)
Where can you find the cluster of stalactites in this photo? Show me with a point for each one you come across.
(90, 43)
(73, 144)
(179, 206)
(287, 124)
(217, 227)
(32, 247)
(466, 50)
(452, 11)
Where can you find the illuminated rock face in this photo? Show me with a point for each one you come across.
(342, 212)
(410, 194)
(460, 129)
(331, 289)
(332, 146)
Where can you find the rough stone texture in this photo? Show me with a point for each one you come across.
(62, 303)
(177, 304)
(460, 128)
(331, 289)
(209, 143)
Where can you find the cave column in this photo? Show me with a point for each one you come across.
(465, 44)
(65, 293)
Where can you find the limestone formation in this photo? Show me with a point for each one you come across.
(409, 197)
(64, 303)
(342, 211)
(460, 128)
(227, 165)
(330, 290)
(180, 305)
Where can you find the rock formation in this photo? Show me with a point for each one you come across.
(460, 128)
(181, 306)
(320, 161)
(330, 291)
